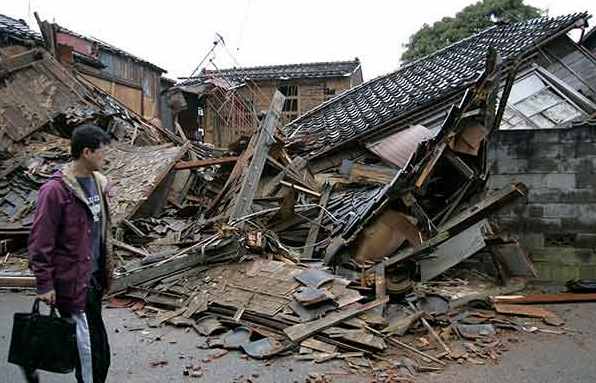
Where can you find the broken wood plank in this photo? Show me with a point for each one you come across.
(203, 163)
(380, 287)
(130, 248)
(523, 310)
(546, 298)
(302, 189)
(453, 251)
(154, 272)
(432, 332)
(252, 174)
(319, 346)
(485, 207)
(402, 325)
(16, 281)
(164, 316)
(313, 232)
(415, 350)
(305, 330)
(198, 303)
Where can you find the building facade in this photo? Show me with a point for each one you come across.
(225, 105)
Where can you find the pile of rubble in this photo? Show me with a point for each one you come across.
(255, 251)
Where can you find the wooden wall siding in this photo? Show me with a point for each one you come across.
(120, 67)
(311, 94)
(130, 97)
(13, 50)
(579, 61)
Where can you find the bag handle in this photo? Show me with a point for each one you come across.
(35, 309)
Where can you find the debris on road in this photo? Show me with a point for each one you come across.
(362, 259)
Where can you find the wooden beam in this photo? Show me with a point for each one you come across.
(150, 273)
(302, 331)
(16, 281)
(300, 188)
(203, 163)
(546, 298)
(313, 232)
(252, 175)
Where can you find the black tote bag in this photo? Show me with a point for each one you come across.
(43, 342)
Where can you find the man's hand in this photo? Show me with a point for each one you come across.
(49, 297)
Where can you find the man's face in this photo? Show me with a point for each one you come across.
(94, 159)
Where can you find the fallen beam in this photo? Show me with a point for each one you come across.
(546, 298)
(203, 163)
(10, 281)
(302, 331)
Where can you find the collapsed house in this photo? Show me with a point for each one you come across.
(309, 237)
(225, 103)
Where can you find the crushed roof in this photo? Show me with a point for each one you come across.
(421, 82)
(110, 48)
(18, 30)
(238, 76)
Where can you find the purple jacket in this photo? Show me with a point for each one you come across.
(60, 241)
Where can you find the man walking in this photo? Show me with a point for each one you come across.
(70, 252)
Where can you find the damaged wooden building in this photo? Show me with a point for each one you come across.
(221, 106)
(370, 133)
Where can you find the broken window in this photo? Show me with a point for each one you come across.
(291, 108)
(328, 93)
(537, 101)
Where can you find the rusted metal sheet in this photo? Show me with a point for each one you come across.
(398, 147)
(385, 235)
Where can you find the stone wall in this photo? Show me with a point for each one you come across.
(556, 221)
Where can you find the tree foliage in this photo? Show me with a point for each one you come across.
(468, 21)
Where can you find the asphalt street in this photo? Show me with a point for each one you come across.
(531, 358)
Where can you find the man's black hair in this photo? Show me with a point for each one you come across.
(87, 136)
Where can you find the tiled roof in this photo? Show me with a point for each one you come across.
(110, 48)
(421, 82)
(18, 30)
(288, 71)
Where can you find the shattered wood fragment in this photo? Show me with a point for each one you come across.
(198, 303)
(415, 350)
(319, 346)
(523, 310)
(164, 316)
(401, 326)
(203, 163)
(304, 330)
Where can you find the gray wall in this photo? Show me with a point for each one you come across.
(556, 222)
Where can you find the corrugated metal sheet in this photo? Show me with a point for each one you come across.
(398, 147)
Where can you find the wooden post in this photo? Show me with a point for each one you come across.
(252, 175)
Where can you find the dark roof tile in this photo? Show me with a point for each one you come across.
(238, 76)
(18, 30)
(420, 82)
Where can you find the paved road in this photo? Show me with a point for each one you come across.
(534, 358)
(133, 352)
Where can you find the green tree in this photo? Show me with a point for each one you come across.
(468, 21)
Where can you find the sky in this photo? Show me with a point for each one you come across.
(177, 35)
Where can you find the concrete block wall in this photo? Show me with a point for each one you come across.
(556, 221)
